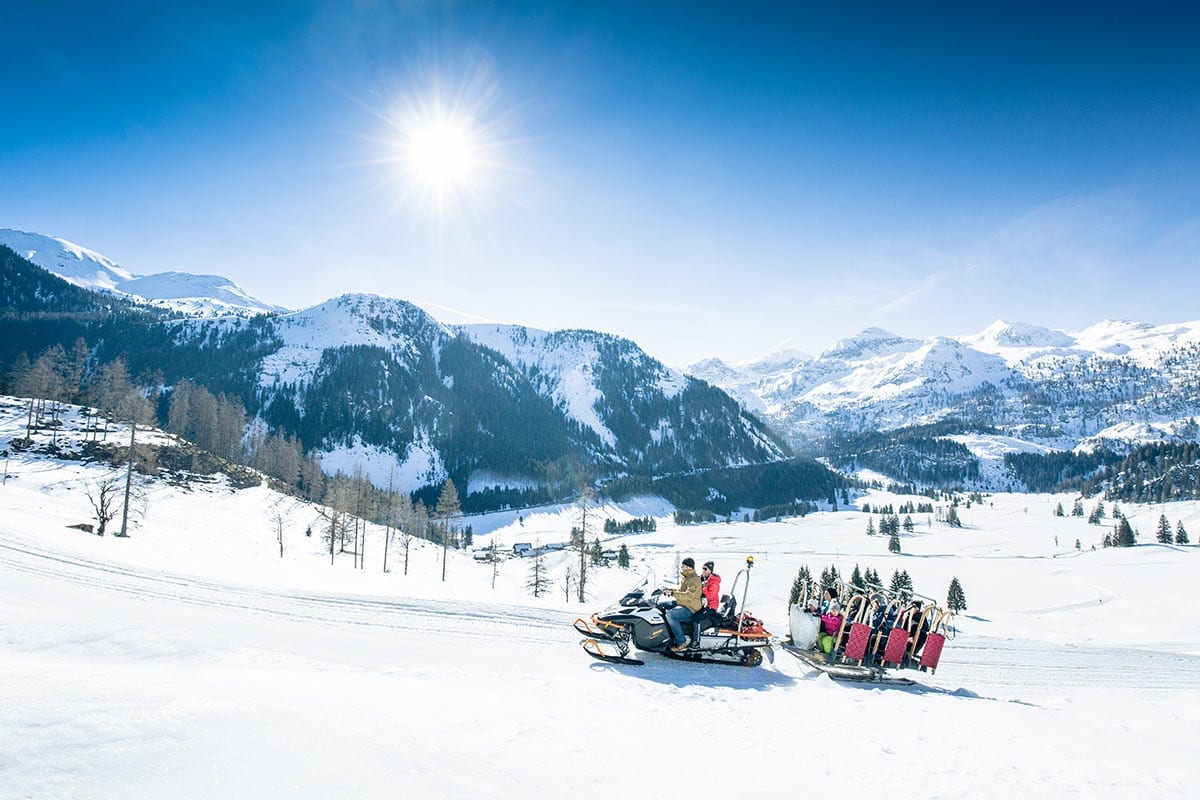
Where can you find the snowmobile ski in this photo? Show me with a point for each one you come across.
(593, 649)
(599, 632)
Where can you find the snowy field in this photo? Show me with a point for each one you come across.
(192, 661)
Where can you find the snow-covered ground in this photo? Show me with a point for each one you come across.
(192, 661)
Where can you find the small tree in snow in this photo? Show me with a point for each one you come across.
(623, 557)
(955, 599)
(1181, 536)
(1164, 530)
(894, 543)
(447, 510)
(278, 520)
(952, 518)
(871, 526)
(103, 495)
(568, 582)
(596, 553)
(494, 558)
(538, 581)
(1123, 535)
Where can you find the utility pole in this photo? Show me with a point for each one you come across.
(128, 479)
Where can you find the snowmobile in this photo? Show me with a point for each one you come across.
(879, 631)
(637, 621)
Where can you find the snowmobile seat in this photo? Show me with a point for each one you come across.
(728, 611)
(706, 618)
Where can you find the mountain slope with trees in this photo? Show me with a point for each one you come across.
(370, 384)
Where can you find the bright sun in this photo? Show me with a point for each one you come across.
(444, 150)
(441, 155)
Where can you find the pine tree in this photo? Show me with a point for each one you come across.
(1164, 530)
(1077, 509)
(955, 599)
(894, 543)
(871, 527)
(803, 579)
(952, 518)
(908, 523)
(901, 585)
(856, 579)
(623, 557)
(1124, 535)
(1058, 511)
(1181, 536)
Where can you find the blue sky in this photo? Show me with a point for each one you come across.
(706, 179)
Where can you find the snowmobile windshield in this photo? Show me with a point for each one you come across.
(645, 585)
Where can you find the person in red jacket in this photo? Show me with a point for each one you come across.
(710, 591)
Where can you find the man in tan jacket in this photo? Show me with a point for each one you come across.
(688, 598)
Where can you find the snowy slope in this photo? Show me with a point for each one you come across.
(352, 319)
(192, 661)
(394, 326)
(193, 295)
(642, 410)
(78, 265)
(565, 362)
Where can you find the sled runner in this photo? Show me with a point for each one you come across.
(878, 633)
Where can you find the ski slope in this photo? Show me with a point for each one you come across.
(191, 661)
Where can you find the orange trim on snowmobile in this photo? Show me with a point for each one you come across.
(743, 635)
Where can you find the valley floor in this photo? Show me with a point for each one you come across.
(131, 670)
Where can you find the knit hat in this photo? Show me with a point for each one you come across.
(688, 562)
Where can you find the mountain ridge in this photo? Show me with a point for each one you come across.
(186, 293)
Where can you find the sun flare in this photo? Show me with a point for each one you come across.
(443, 157)
(441, 154)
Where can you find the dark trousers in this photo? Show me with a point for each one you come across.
(704, 618)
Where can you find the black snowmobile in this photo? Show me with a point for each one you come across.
(637, 621)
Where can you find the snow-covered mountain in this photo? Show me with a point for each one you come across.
(1040, 384)
(192, 295)
(378, 383)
